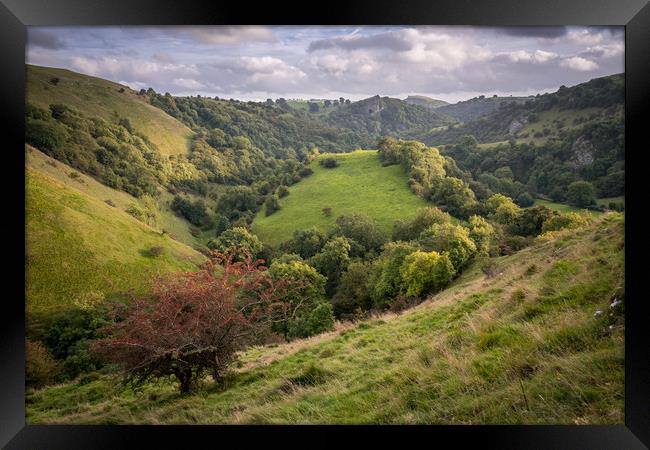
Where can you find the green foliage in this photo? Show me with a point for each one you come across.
(318, 320)
(502, 209)
(309, 313)
(481, 232)
(353, 291)
(272, 204)
(426, 272)
(45, 135)
(525, 200)
(581, 194)
(328, 163)
(360, 229)
(283, 191)
(530, 221)
(194, 211)
(40, 367)
(333, 259)
(237, 242)
(568, 220)
(305, 243)
(454, 240)
(407, 230)
(386, 280)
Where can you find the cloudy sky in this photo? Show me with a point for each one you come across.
(254, 63)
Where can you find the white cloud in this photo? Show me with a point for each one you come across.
(585, 37)
(578, 63)
(188, 83)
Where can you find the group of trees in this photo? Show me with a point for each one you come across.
(550, 168)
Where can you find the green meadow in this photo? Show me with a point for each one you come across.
(359, 184)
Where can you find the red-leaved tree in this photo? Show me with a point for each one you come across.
(193, 323)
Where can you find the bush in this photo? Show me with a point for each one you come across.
(40, 367)
(110, 202)
(327, 212)
(361, 229)
(46, 136)
(353, 292)
(193, 323)
(316, 321)
(581, 194)
(283, 191)
(328, 163)
(155, 252)
(305, 172)
(566, 220)
(272, 204)
(525, 200)
(404, 230)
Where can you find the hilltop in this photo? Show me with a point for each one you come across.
(359, 184)
(425, 101)
(106, 99)
(526, 345)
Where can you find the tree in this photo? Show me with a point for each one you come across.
(525, 200)
(308, 295)
(313, 107)
(530, 221)
(567, 220)
(502, 209)
(237, 242)
(581, 194)
(426, 272)
(328, 163)
(361, 229)
(449, 238)
(333, 259)
(404, 230)
(193, 323)
(221, 224)
(305, 243)
(386, 281)
(353, 292)
(481, 232)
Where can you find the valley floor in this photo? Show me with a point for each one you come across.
(525, 346)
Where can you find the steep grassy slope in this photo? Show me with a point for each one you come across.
(522, 347)
(102, 98)
(359, 184)
(425, 101)
(176, 227)
(78, 245)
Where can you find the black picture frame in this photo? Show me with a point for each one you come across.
(15, 15)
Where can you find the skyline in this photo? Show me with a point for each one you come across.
(450, 63)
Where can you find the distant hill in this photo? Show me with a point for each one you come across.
(106, 99)
(379, 116)
(476, 107)
(540, 117)
(425, 101)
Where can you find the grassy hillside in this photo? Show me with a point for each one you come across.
(525, 346)
(476, 107)
(359, 184)
(176, 227)
(102, 98)
(78, 245)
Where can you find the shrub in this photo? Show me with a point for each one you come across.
(318, 320)
(46, 136)
(193, 323)
(305, 172)
(305, 243)
(328, 163)
(333, 259)
(40, 367)
(581, 194)
(283, 191)
(426, 272)
(525, 200)
(110, 202)
(361, 229)
(327, 212)
(272, 204)
(404, 230)
(155, 252)
(353, 291)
